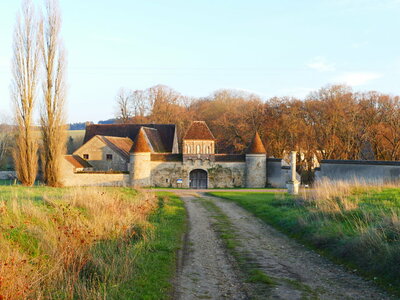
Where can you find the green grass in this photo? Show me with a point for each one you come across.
(366, 238)
(137, 266)
(154, 259)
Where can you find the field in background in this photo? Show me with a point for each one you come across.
(74, 140)
(88, 243)
(358, 225)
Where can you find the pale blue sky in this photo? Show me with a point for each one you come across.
(270, 47)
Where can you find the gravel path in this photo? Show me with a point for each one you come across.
(208, 272)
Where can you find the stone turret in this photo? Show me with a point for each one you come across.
(140, 161)
(256, 164)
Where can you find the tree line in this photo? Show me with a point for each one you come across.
(333, 122)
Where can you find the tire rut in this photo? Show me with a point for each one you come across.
(206, 270)
(300, 272)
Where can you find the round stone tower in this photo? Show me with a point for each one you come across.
(140, 161)
(256, 164)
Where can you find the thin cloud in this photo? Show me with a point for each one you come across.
(357, 78)
(320, 64)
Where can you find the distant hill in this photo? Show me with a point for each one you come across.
(82, 125)
(109, 121)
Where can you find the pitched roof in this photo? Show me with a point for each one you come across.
(154, 138)
(256, 146)
(77, 161)
(141, 143)
(166, 132)
(199, 131)
(121, 145)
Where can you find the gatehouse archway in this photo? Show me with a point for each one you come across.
(198, 179)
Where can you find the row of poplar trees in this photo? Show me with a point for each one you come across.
(39, 74)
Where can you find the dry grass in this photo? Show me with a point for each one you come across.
(338, 196)
(45, 244)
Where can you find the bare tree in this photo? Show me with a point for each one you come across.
(52, 117)
(140, 103)
(124, 111)
(25, 69)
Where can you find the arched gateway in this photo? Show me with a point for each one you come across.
(198, 179)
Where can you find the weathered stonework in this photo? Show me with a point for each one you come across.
(197, 166)
(140, 169)
(98, 152)
(220, 175)
(256, 170)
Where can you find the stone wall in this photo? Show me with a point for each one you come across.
(70, 178)
(97, 152)
(96, 179)
(256, 169)
(276, 176)
(140, 164)
(220, 175)
(368, 171)
(6, 174)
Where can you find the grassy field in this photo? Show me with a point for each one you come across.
(88, 243)
(357, 226)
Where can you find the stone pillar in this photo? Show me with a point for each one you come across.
(293, 183)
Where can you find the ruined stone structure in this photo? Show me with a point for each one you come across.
(147, 155)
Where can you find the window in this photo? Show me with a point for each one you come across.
(86, 156)
(109, 156)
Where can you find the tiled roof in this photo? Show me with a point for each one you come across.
(199, 131)
(141, 143)
(256, 146)
(77, 161)
(155, 140)
(166, 132)
(121, 145)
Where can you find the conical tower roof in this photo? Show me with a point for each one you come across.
(256, 146)
(140, 144)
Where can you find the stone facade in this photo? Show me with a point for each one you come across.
(219, 174)
(198, 147)
(102, 156)
(198, 166)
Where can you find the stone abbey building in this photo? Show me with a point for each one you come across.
(148, 155)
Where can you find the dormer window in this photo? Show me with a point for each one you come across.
(108, 157)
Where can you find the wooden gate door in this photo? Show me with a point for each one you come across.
(198, 179)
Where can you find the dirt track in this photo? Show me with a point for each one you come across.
(208, 271)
